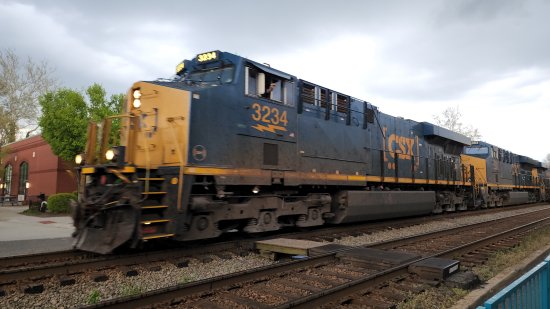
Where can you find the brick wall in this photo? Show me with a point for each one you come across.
(46, 172)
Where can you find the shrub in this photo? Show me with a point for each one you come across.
(59, 203)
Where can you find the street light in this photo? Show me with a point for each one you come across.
(27, 185)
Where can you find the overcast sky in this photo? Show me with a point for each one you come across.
(414, 59)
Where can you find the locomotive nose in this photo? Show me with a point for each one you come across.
(107, 229)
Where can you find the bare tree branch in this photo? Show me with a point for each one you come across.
(451, 119)
(20, 87)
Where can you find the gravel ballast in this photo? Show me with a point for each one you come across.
(164, 274)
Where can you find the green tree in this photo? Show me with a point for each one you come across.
(21, 84)
(451, 119)
(66, 113)
(100, 108)
(64, 121)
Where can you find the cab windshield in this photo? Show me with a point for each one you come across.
(477, 150)
(210, 76)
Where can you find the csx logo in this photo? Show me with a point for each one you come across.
(400, 147)
(269, 119)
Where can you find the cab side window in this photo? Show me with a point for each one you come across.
(250, 81)
(268, 86)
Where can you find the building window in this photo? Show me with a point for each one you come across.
(23, 178)
(7, 179)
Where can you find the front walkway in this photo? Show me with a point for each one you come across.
(21, 234)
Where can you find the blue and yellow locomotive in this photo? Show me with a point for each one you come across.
(231, 144)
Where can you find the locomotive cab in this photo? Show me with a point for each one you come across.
(141, 189)
(124, 196)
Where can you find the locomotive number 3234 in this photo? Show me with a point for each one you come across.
(269, 115)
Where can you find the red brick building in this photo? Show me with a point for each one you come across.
(31, 168)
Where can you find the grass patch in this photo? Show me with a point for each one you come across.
(187, 278)
(436, 298)
(32, 212)
(504, 259)
(131, 290)
(36, 213)
(94, 297)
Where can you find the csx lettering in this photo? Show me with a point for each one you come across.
(269, 115)
(400, 147)
(207, 56)
(401, 144)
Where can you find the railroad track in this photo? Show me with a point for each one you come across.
(35, 260)
(29, 273)
(85, 262)
(342, 277)
(73, 262)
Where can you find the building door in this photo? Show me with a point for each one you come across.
(7, 180)
(23, 178)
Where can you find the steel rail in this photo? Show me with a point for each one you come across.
(207, 285)
(15, 261)
(326, 296)
(98, 262)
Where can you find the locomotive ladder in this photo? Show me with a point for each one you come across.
(153, 220)
(154, 223)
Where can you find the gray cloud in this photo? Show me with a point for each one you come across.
(460, 44)
(398, 51)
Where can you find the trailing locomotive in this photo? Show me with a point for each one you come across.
(232, 144)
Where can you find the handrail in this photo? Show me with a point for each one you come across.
(180, 155)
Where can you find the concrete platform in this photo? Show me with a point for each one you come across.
(287, 246)
(376, 256)
(21, 234)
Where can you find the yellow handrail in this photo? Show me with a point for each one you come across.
(180, 155)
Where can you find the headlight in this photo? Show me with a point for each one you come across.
(137, 103)
(137, 96)
(110, 154)
(79, 159)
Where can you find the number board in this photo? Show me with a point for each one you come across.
(269, 119)
(180, 67)
(206, 57)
